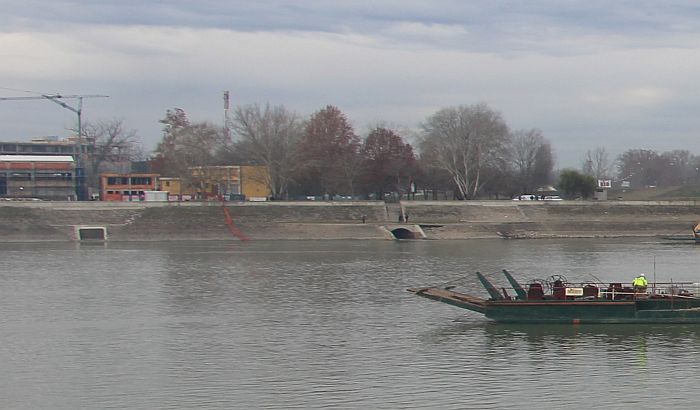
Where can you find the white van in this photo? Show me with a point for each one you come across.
(552, 198)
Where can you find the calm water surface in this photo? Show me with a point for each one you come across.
(325, 324)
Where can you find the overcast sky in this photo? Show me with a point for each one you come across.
(592, 73)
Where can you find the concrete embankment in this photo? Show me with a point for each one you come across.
(62, 221)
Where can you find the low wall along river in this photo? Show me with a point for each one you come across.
(63, 221)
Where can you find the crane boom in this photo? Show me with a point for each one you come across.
(66, 106)
(81, 189)
(50, 96)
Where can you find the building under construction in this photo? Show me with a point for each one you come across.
(47, 177)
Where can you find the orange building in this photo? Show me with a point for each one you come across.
(126, 187)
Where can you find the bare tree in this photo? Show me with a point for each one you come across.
(544, 164)
(464, 140)
(434, 179)
(676, 166)
(597, 163)
(646, 168)
(532, 159)
(185, 146)
(110, 147)
(639, 167)
(268, 137)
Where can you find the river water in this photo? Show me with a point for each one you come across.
(325, 324)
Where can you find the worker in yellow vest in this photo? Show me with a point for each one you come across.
(640, 283)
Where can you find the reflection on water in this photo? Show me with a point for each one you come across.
(571, 366)
(310, 324)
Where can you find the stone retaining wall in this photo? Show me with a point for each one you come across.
(57, 221)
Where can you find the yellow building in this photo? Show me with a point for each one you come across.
(212, 182)
(177, 191)
(255, 182)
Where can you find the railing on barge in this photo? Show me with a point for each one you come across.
(557, 287)
(612, 291)
(657, 289)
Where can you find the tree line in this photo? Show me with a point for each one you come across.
(467, 151)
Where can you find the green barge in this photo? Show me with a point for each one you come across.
(558, 301)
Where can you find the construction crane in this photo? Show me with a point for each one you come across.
(56, 98)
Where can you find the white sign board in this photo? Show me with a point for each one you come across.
(574, 291)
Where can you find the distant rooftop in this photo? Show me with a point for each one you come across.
(46, 138)
(36, 158)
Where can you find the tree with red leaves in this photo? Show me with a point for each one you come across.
(329, 154)
(389, 163)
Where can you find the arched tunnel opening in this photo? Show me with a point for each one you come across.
(403, 233)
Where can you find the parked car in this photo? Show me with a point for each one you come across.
(533, 197)
(526, 197)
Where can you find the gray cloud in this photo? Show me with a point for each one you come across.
(589, 73)
(498, 19)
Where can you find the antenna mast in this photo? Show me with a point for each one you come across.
(227, 129)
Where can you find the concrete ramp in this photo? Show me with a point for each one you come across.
(452, 298)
